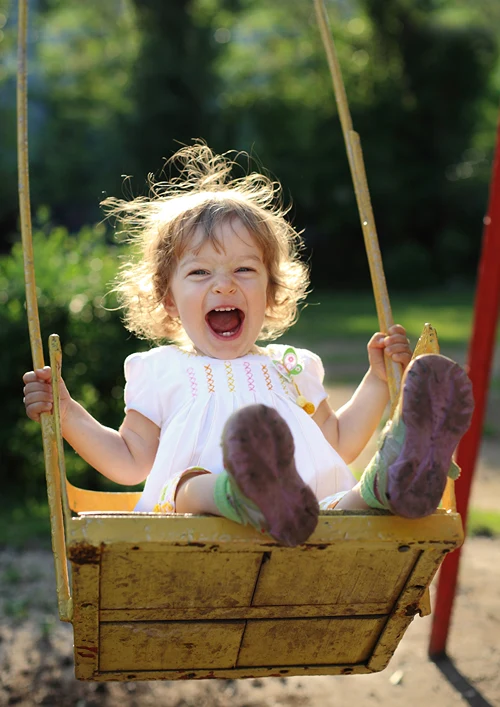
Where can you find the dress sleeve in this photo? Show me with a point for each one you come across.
(141, 387)
(310, 381)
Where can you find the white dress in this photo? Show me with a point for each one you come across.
(190, 396)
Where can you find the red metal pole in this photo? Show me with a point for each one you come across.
(480, 357)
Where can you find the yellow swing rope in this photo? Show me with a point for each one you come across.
(52, 442)
(358, 173)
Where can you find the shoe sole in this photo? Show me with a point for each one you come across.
(436, 409)
(258, 451)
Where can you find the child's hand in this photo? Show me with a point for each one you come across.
(38, 393)
(393, 344)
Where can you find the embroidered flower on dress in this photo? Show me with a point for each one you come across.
(289, 365)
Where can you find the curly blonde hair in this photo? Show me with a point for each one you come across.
(203, 197)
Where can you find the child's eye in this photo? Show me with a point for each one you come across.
(245, 269)
(199, 272)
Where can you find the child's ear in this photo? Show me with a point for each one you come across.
(170, 306)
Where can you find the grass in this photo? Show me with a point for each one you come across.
(338, 326)
(25, 524)
(483, 523)
(332, 316)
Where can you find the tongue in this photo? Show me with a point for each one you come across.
(223, 321)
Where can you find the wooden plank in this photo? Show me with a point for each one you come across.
(356, 529)
(309, 641)
(85, 570)
(245, 612)
(163, 646)
(137, 580)
(342, 576)
(406, 607)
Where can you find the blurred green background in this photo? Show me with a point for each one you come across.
(115, 86)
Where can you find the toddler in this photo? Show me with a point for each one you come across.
(216, 423)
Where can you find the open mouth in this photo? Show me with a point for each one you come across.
(225, 322)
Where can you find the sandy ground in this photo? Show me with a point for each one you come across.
(36, 666)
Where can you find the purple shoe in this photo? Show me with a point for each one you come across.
(408, 473)
(258, 451)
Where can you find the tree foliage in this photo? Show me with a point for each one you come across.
(73, 275)
(113, 85)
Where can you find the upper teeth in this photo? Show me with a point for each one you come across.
(224, 309)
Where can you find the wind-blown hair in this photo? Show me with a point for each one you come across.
(204, 196)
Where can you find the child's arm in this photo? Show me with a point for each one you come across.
(350, 429)
(125, 456)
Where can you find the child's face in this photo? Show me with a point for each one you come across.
(221, 297)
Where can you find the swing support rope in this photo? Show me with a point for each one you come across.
(358, 173)
(50, 424)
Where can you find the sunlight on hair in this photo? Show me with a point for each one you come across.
(202, 197)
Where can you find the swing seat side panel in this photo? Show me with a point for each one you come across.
(199, 597)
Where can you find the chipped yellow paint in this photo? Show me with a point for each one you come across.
(85, 580)
(325, 641)
(424, 606)
(171, 578)
(167, 645)
(191, 596)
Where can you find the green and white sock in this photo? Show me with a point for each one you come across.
(232, 504)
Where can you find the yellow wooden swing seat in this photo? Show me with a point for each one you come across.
(156, 597)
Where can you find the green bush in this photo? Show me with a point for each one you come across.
(73, 274)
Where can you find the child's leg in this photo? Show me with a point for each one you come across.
(261, 485)
(346, 501)
(408, 473)
(191, 491)
(196, 495)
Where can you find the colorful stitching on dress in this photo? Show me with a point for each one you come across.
(283, 385)
(192, 381)
(210, 378)
(267, 377)
(230, 376)
(186, 352)
(248, 373)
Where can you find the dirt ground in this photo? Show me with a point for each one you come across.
(36, 666)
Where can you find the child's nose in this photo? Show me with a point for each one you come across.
(224, 285)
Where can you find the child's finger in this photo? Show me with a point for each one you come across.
(377, 341)
(38, 387)
(403, 359)
(35, 403)
(391, 342)
(38, 374)
(34, 410)
(37, 395)
(398, 347)
(396, 329)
